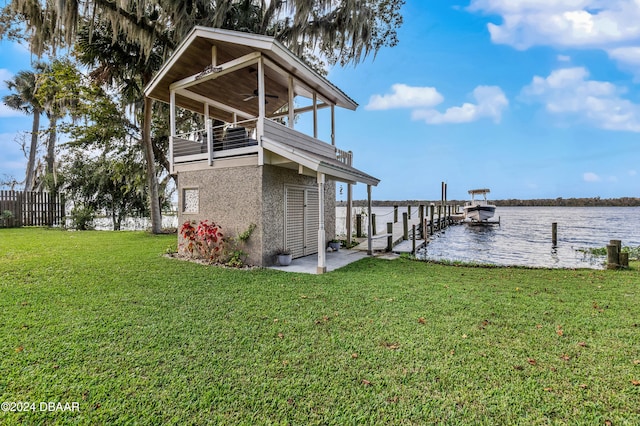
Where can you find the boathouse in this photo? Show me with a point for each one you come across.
(246, 163)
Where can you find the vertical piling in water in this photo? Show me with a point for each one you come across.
(431, 209)
(424, 229)
(373, 224)
(389, 236)
(409, 212)
(395, 214)
(421, 212)
(554, 234)
(359, 225)
(413, 240)
(405, 226)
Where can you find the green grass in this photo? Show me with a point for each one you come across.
(103, 319)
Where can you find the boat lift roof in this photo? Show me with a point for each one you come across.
(479, 191)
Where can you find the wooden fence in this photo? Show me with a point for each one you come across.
(31, 209)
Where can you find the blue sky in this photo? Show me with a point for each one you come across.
(531, 98)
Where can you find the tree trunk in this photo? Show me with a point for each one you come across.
(51, 154)
(152, 180)
(33, 149)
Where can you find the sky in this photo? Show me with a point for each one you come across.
(530, 98)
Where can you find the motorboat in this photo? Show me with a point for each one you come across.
(479, 210)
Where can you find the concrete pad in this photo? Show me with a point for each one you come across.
(334, 260)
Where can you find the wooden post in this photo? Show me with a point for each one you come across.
(405, 227)
(421, 212)
(395, 214)
(389, 236)
(359, 225)
(618, 244)
(424, 230)
(369, 240)
(431, 209)
(373, 224)
(349, 213)
(613, 258)
(413, 241)
(623, 258)
(409, 212)
(554, 234)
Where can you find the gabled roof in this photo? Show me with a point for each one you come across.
(193, 55)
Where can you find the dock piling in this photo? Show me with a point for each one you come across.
(405, 226)
(554, 234)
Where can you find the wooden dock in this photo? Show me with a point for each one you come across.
(380, 241)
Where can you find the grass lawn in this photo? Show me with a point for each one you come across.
(102, 319)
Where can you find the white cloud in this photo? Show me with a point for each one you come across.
(5, 75)
(490, 102)
(633, 172)
(5, 111)
(591, 177)
(404, 96)
(564, 58)
(628, 59)
(568, 91)
(567, 23)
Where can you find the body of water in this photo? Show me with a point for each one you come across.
(524, 236)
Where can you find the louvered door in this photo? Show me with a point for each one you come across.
(301, 220)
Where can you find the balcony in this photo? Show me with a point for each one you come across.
(242, 139)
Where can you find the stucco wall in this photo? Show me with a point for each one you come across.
(231, 198)
(235, 197)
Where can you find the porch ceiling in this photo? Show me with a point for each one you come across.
(232, 89)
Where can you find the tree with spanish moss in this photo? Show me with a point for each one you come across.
(343, 31)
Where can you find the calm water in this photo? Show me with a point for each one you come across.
(524, 236)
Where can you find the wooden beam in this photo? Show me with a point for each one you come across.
(206, 101)
(217, 71)
(300, 110)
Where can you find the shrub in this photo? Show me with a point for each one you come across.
(207, 242)
(204, 241)
(82, 217)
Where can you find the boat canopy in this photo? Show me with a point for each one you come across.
(479, 191)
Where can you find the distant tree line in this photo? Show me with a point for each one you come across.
(512, 202)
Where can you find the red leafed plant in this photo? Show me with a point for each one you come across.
(205, 241)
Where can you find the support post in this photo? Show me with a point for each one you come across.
(261, 110)
(405, 227)
(315, 115)
(291, 117)
(554, 234)
(431, 209)
(359, 225)
(322, 252)
(373, 223)
(349, 205)
(389, 236)
(209, 140)
(172, 127)
(369, 241)
(413, 240)
(613, 257)
(395, 214)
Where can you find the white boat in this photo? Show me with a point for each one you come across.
(479, 210)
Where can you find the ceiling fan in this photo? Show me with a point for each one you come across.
(255, 95)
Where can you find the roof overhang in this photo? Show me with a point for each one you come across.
(332, 168)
